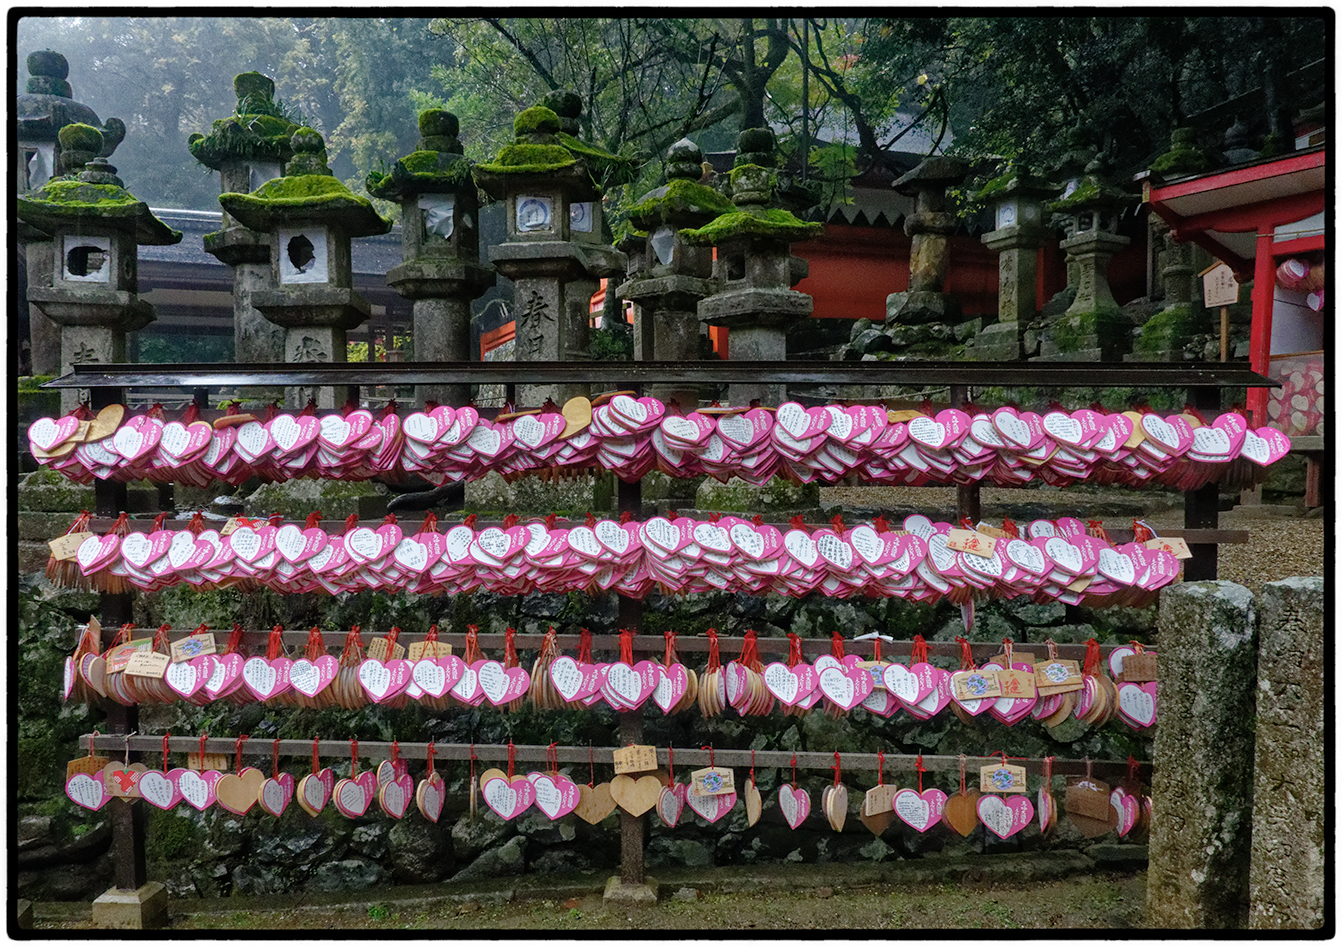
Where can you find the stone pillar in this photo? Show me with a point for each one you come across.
(1093, 328)
(930, 227)
(1202, 783)
(1287, 871)
(1018, 253)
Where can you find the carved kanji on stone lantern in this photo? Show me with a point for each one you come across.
(555, 250)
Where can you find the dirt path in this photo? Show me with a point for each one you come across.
(1100, 901)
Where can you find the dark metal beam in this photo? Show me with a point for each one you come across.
(615, 375)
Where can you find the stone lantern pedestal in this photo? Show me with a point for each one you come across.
(553, 254)
(754, 268)
(440, 246)
(90, 289)
(248, 149)
(309, 218)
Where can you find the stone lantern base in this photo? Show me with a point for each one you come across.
(919, 307)
(1101, 336)
(999, 342)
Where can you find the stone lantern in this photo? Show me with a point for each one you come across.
(674, 276)
(309, 218)
(554, 252)
(1017, 200)
(91, 290)
(40, 113)
(930, 227)
(247, 148)
(1093, 328)
(754, 270)
(440, 245)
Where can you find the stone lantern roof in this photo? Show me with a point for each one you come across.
(436, 166)
(935, 173)
(753, 182)
(309, 193)
(682, 202)
(535, 153)
(95, 197)
(1091, 192)
(48, 105)
(1016, 181)
(253, 132)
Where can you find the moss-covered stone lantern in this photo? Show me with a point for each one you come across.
(440, 267)
(309, 218)
(674, 275)
(95, 225)
(1016, 198)
(754, 270)
(929, 227)
(1093, 327)
(40, 113)
(555, 250)
(247, 148)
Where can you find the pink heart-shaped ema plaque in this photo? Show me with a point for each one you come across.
(266, 679)
(909, 685)
(310, 678)
(574, 681)
(187, 677)
(671, 803)
(845, 687)
(1137, 703)
(501, 685)
(1265, 445)
(919, 810)
(383, 680)
(709, 807)
(974, 683)
(628, 686)
(317, 788)
(96, 552)
(1005, 817)
(431, 795)
(394, 798)
(795, 804)
(556, 795)
(508, 799)
(88, 791)
(353, 796)
(436, 676)
(198, 788)
(225, 677)
(790, 684)
(672, 683)
(159, 789)
(276, 794)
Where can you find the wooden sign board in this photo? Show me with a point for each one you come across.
(1219, 286)
(635, 759)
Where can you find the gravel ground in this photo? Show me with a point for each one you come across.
(1280, 545)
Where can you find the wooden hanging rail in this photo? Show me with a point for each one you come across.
(653, 644)
(144, 522)
(688, 756)
(613, 375)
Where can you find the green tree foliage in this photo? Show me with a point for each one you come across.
(169, 76)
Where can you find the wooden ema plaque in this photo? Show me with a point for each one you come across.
(635, 759)
(1138, 669)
